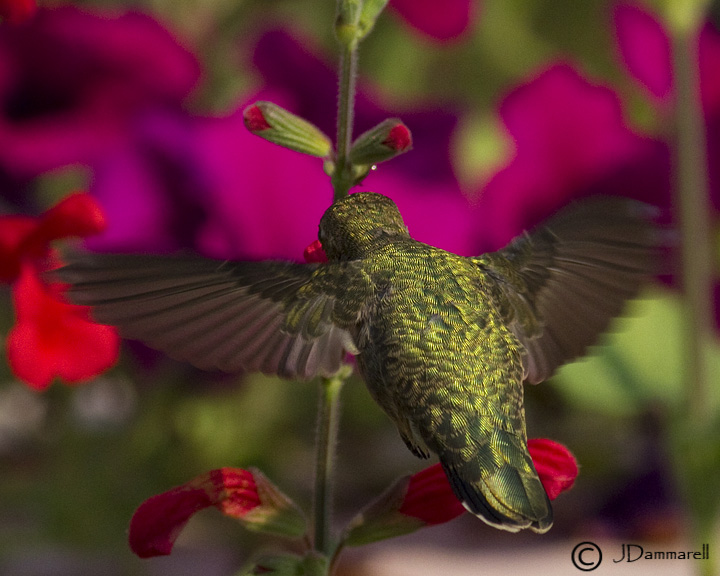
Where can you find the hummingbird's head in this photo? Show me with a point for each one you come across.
(356, 223)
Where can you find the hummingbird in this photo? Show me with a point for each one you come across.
(443, 342)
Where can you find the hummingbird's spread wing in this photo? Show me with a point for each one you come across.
(275, 317)
(559, 286)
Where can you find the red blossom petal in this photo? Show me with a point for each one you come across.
(159, 520)
(17, 11)
(77, 215)
(429, 497)
(54, 339)
(28, 238)
(399, 138)
(14, 231)
(234, 490)
(440, 20)
(255, 119)
(315, 253)
(555, 465)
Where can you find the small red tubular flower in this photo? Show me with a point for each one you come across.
(246, 495)
(430, 499)
(555, 465)
(426, 498)
(314, 253)
(51, 338)
(17, 11)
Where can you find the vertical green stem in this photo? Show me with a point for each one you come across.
(328, 411)
(328, 415)
(342, 179)
(694, 208)
(692, 425)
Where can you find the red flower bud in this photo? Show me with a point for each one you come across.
(385, 141)
(255, 119)
(399, 138)
(282, 127)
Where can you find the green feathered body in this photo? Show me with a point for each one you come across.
(438, 358)
(444, 342)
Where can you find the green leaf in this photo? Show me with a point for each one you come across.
(639, 361)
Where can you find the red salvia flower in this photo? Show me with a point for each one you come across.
(246, 495)
(54, 339)
(51, 338)
(158, 521)
(430, 498)
(315, 253)
(555, 465)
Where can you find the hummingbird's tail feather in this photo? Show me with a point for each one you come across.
(507, 494)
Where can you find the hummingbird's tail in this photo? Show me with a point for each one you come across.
(506, 494)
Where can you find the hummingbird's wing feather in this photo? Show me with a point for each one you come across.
(560, 285)
(275, 317)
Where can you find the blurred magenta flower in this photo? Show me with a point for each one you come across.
(645, 50)
(570, 141)
(17, 11)
(636, 30)
(108, 92)
(51, 338)
(246, 495)
(441, 21)
(421, 181)
(73, 83)
(207, 184)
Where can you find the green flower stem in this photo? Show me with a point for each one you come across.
(692, 426)
(342, 179)
(694, 206)
(328, 415)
